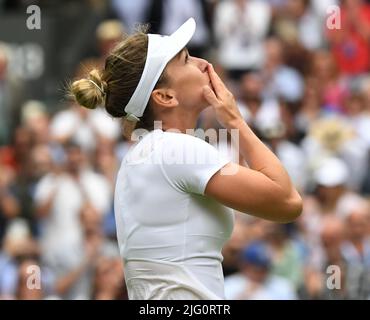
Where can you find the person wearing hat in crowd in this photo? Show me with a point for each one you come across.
(332, 198)
(329, 250)
(255, 281)
(333, 136)
(174, 214)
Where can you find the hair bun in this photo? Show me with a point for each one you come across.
(89, 92)
(95, 76)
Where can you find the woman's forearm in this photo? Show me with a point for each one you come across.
(259, 157)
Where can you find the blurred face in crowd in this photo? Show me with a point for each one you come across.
(329, 194)
(22, 140)
(332, 236)
(107, 45)
(255, 273)
(39, 127)
(7, 177)
(273, 53)
(275, 233)
(241, 3)
(311, 94)
(108, 34)
(354, 105)
(75, 158)
(186, 76)
(352, 4)
(323, 65)
(105, 157)
(91, 219)
(41, 160)
(296, 8)
(251, 86)
(357, 225)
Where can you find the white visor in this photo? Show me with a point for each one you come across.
(161, 49)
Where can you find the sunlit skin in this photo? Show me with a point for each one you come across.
(180, 100)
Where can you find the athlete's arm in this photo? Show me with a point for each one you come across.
(264, 189)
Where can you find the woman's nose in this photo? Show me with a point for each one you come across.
(201, 63)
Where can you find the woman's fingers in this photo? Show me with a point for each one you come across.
(210, 96)
(216, 81)
(222, 100)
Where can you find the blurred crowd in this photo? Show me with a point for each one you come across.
(300, 72)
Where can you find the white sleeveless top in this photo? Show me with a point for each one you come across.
(169, 233)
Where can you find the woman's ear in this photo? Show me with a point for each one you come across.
(165, 97)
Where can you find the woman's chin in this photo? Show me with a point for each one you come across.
(204, 105)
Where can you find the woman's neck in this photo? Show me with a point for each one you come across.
(180, 123)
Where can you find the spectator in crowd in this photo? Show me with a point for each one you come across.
(286, 257)
(298, 24)
(336, 201)
(350, 42)
(317, 272)
(240, 237)
(358, 116)
(356, 251)
(84, 127)
(334, 136)
(332, 87)
(74, 276)
(332, 196)
(108, 34)
(18, 163)
(106, 161)
(59, 197)
(365, 91)
(255, 280)
(240, 29)
(280, 80)
(273, 127)
(165, 16)
(11, 96)
(344, 250)
(109, 282)
(310, 109)
(320, 7)
(35, 118)
(9, 205)
(251, 102)
(23, 274)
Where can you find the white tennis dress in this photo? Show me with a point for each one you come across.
(170, 235)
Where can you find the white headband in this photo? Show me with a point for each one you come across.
(161, 49)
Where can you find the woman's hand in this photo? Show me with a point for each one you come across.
(222, 101)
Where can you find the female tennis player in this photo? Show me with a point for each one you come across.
(175, 192)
